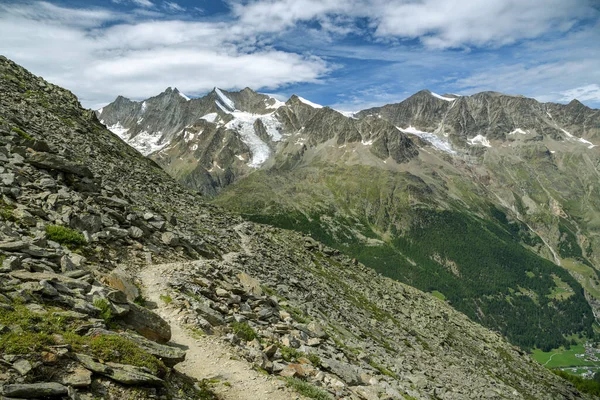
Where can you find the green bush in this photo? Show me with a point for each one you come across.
(243, 330)
(118, 349)
(64, 235)
(105, 310)
(308, 390)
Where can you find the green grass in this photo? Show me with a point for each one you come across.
(64, 235)
(120, 350)
(105, 310)
(439, 295)
(562, 357)
(21, 133)
(308, 390)
(243, 330)
(166, 298)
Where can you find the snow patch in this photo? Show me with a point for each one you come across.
(367, 142)
(348, 114)
(310, 103)
(432, 138)
(100, 110)
(212, 117)
(226, 101)
(570, 136)
(518, 130)
(139, 121)
(241, 158)
(567, 133)
(479, 139)
(442, 97)
(195, 147)
(278, 104)
(184, 96)
(144, 107)
(118, 130)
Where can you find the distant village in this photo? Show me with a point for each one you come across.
(591, 354)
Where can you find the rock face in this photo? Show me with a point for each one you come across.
(319, 315)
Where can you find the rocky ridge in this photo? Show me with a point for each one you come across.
(77, 202)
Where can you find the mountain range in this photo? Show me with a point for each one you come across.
(490, 202)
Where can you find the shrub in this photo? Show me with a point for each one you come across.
(105, 310)
(244, 331)
(166, 298)
(64, 235)
(308, 390)
(118, 349)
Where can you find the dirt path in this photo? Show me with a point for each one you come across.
(207, 357)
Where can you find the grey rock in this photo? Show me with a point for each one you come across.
(55, 162)
(22, 366)
(147, 323)
(122, 373)
(34, 390)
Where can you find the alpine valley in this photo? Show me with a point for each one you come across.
(490, 202)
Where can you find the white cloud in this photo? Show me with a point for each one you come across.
(141, 3)
(582, 93)
(100, 54)
(172, 6)
(437, 23)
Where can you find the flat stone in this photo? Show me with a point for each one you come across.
(22, 366)
(250, 284)
(34, 390)
(80, 377)
(147, 323)
(14, 246)
(53, 161)
(122, 373)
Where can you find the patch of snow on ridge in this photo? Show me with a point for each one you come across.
(566, 133)
(479, 139)
(225, 100)
(442, 97)
(310, 103)
(147, 142)
(100, 110)
(518, 130)
(212, 117)
(184, 96)
(118, 130)
(144, 107)
(570, 136)
(243, 122)
(278, 104)
(432, 138)
(366, 142)
(348, 114)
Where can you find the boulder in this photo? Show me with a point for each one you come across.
(55, 162)
(250, 284)
(126, 374)
(121, 280)
(34, 390)
(147, 323)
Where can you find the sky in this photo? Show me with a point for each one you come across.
(347, 54)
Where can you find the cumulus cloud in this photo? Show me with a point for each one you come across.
(437, 23)
(99, 54)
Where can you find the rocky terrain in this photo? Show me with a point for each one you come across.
(94, 236)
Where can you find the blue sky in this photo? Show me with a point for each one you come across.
(349, 54)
